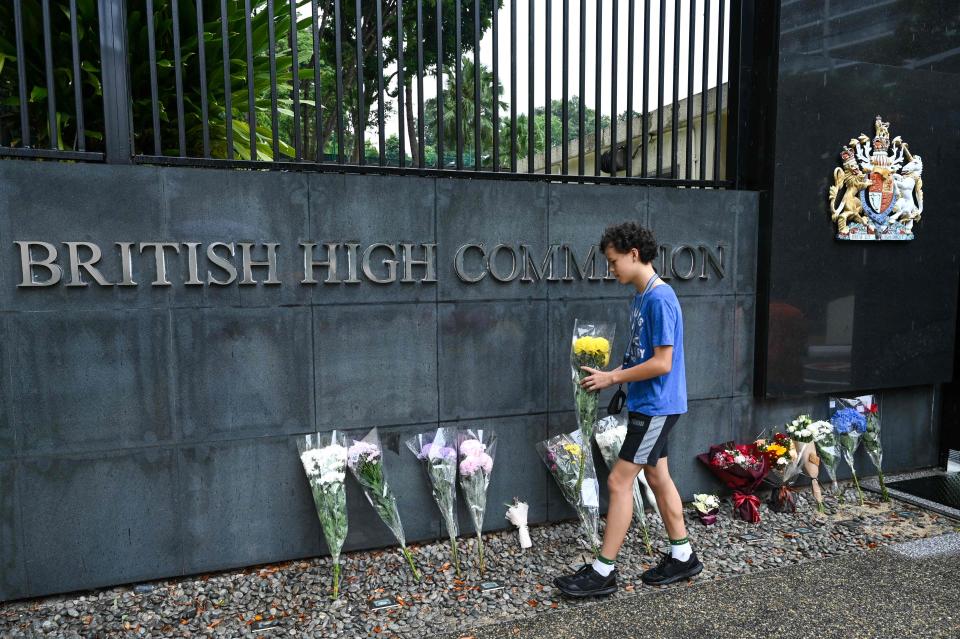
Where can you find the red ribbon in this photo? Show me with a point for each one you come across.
(748, 506)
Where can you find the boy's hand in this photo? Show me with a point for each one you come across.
(597, 380)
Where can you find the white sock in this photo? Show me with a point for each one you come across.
(682, 551)
(602, 568)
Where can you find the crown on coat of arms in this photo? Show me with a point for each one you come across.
(881, 141)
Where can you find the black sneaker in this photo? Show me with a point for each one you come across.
(589, 583)
(671, 570)
(563, 579)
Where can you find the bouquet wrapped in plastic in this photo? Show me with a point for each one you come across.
(517, 515)
(807, 436)
(477, 448)
(365, 461)
(565, 456)
(785, 456)
(707, 507)
(438, 452)
(742, 467)
(591, 348)
(609, 435)
(828, 450)
(871, 440)
(849, 425)
(324, 460)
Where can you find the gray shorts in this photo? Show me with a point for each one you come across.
(646, 440)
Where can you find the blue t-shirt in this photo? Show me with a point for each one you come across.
(658, 322)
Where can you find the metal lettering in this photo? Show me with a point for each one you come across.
(248, 263)
(309, 263)
(352, 263)
(192, 267)
(664, 270)
(223, 263)
(76, 264)
(427, 261)
(589, 261)
(693, 261)
(706, 255)
(492, 263)
(27, 263)
(458, 260)
(390, 264)
(546, 266)
(160, 258)
(126, 263)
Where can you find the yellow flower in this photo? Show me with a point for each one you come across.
(776, 449)
(573, 449)
(595, 346)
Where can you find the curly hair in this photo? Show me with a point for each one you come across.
(630, 235)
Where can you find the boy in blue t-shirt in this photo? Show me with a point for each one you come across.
(656, 397)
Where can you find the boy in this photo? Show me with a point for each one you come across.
(656, 397)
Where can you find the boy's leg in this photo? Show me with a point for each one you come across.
(620, 510)
(682, 562)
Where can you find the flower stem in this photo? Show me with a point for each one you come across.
(480, 547)
(455, 555)
(884, 495)
(413, 567)
(857, 485)
(336, 581)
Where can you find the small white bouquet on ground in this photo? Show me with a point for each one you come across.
(609, 434)
(707, 507)
(517, 515)
(365, 461)
(324, 460)
(477, 448)
(438, 452)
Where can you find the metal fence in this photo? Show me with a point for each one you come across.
(621, 90)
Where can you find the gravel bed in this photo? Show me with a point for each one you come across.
(292, 598)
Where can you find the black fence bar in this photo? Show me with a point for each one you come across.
(547, 123)
(674, 115)
(204, 100)
(421, 126)
(358, 128)
(631, 22)
(178, 78)
(21, 76)
(704, 90)
(644, 120)
(154, 98)
(274, 92)
(564, 108)
(660, 80)
(477, 148)
(691, 53)
(338, 43)
(531, 119)
(581, 100)
(251, 108)
(401, 113)
(496, 86)
(719, 107)
(318, 138)
(382, 139)
(457, 72)
(77, 82)
(51, 84)
(598, 83)
(183, 103)
(613, 90)
(439, 100)
(295, 72)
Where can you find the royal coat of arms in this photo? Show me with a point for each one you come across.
(877, 192)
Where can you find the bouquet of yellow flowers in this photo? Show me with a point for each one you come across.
(564, 455)
(591, 348)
